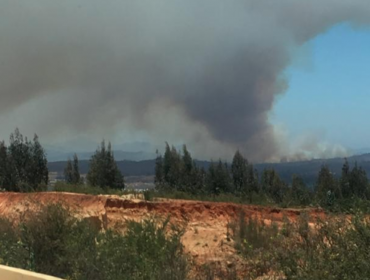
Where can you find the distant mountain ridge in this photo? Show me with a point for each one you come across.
(308, 170)
(54, 155)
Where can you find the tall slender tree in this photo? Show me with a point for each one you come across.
(299, 191)
(20, 157)
(76, 170)
(245, 177)
(38, 175)
(326, 186)
(68, 172)
(239, 171)
(358, 181)
(159, 177)
(345, 187)
(4, 172)
(188, 171)
(273, 185)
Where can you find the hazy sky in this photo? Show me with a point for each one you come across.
(329, 90)
(272, 78)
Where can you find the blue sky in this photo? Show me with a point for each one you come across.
(329, 94)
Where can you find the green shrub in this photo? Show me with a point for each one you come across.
(146, 251)
(51, 240)
(334, 249)
(11, 251)
(254, 240)
(148, 195)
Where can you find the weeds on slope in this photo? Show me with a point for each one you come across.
(51, 240)
(333, 249)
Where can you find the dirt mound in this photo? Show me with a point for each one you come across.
(205, 237)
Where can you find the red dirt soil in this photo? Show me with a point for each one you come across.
(205, 235)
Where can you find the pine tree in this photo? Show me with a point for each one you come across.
(273, 185)
(188, 171)
(175, 170)
(212, 183)
(187, 160)
(27, 163)
(7, 179)
(38, 176)
(20, 159)
(159, 177)
(358, 181)
(172, 165)
(76, 170)
(68, 172)
(115, 177)
(253, 179)
(299, 191)
(103, 171)
(326, 186)
(345, 187)
(239, 171)
(167, 163)
(4, 172)
(198, 178)
(219, 179)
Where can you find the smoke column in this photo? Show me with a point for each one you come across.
(215, 64)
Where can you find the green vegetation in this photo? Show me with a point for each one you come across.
(82, 188)
(23, 164)
(103, 171)
(51, 240)
(177, 176)
(23, 168)
(178, 172)
(334, 249)
(72, 172)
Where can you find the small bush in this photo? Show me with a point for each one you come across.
(148, 195)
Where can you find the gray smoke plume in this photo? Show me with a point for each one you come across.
(80, 65)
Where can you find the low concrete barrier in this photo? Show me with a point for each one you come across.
(10, 273)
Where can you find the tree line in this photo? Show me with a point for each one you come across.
(177, 171)
(103, 170)
(23, 166)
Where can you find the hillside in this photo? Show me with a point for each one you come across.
(127, 167)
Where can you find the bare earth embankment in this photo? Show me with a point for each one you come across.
(205, 223)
